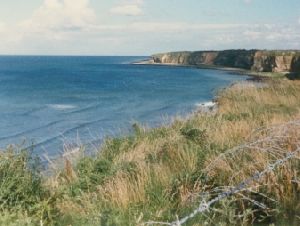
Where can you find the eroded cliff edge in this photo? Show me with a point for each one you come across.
(256, 60)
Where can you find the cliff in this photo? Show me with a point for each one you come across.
(256, 60)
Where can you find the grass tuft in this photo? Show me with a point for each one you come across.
(158, 174)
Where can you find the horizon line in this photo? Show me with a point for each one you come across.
(130, 55)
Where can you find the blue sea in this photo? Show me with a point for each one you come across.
(51, 101)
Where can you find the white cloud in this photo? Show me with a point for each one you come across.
(158, 37)
(165, 27)
(252, 35)
(178, 27)
(55, 17)
(280, 34)
(2, 27)
(139, 38)
(50, 28)
(128, 8)
(248, 1)
(71, 27)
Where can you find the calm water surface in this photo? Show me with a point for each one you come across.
(51, 100)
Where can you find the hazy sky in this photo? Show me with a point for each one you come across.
(143, 27)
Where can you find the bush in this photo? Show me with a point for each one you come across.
(194, 134)
(20, 180)
(21, 187)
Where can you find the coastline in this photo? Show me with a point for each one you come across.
(254, 76)
(141, 172)
(211, 106)
(45, 142)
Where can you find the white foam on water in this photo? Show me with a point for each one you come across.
(62, 107)
(206, 104)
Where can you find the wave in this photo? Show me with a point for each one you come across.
(95, 107)
(32, 111)
(92, 107)
(160, 110)
(26, 132)
(62, 107)
(67, 132)
(83, 125)
(206, 104)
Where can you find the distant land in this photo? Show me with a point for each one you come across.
(254, 60)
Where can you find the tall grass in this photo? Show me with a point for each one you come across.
(24, 200)
(158, 174)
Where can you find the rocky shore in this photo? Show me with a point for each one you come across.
(254, 60)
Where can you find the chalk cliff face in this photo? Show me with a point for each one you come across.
(276, 61)
(262, 61)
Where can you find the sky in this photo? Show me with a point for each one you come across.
(144, 27)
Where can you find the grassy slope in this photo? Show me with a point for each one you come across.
(158, 174)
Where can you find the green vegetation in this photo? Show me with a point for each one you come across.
(24, 199)
(159, 174)
(281, 52)
(272, 75)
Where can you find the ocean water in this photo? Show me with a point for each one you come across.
(48, 101)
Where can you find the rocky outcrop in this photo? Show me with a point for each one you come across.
(276, 61)
(295, 67)
(257, 60)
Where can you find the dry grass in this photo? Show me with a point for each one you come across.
(168, 166)
(156, 174)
